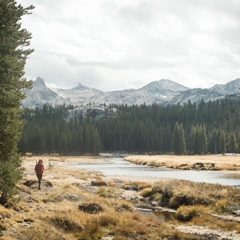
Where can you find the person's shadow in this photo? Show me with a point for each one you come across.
(34, 184)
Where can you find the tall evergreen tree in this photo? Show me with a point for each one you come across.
(222, 141)
(134, 129)
(14, 42)
(213, 141)
(232, 143)
(198, 139)
(179, 144)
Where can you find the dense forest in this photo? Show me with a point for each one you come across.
(204, 128)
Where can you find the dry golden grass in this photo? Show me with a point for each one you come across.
(220, 162)
(187, 213)
(146, 192)
(215, 223)
(108, 192)
(137, 185)
(175, 193)
(221, 206)
(54, 213)
(98, 182)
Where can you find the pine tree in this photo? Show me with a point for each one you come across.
(179, 144)
(222, 142)
(232, 143)
(198, 139)
(14, 42)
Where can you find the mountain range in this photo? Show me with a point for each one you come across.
(160, 92)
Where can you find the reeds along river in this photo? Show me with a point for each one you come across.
(118, 167)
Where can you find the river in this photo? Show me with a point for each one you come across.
(118, 167)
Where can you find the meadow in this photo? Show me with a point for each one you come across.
(75, 204)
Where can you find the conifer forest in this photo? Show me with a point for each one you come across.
(204, 128)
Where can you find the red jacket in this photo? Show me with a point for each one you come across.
(39, 168)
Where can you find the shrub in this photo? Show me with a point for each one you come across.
(221, 206)
(98, 182)
(180, 200)
(66, 223)
(124, 207)
(40, 233)
(92, 208)
(144, 185)
(106, 220)
(187, 213)
(107, 192)
(50, 165)
(91, 230)
(146, 192)
(131, 228)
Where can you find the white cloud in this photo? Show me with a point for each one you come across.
(111, 44)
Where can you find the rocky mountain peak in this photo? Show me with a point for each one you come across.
(80, 86)
(165, 84)
(159, 92)
(231, 87)
(39, 82)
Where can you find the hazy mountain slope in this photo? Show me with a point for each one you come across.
(80, 94)
(195, 96)
(231, 87)
(40, 94)
(218, 91)
(161, 92)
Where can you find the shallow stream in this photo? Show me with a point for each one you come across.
(118, 167)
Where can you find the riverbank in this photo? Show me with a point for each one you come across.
(75, 204)
(195, 162)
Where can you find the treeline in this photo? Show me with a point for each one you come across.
(47, 131)
(202, 128)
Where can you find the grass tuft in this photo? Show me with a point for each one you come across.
(177, 193)
(98, 182)
(92, 230)
(63, 222)
(187, 213)
(146, 192)
(221, 206)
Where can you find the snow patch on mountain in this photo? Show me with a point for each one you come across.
(160, 92)
(40, 94)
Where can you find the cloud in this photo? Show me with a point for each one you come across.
(111, 44)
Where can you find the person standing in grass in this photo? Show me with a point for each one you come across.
(39, 169)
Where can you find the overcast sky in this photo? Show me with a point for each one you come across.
(120, 44)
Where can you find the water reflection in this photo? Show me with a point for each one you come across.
(119, 167)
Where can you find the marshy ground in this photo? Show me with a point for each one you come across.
(75, 204)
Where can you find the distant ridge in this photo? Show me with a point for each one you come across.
(159, 92)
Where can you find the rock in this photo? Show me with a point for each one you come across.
(72, 198)
(154, 203)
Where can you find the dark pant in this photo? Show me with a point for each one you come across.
(39, 176)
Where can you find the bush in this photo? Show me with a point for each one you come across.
(67, 224)
(221, 206)
(187, 213)
(106, 220)
(146, 192)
